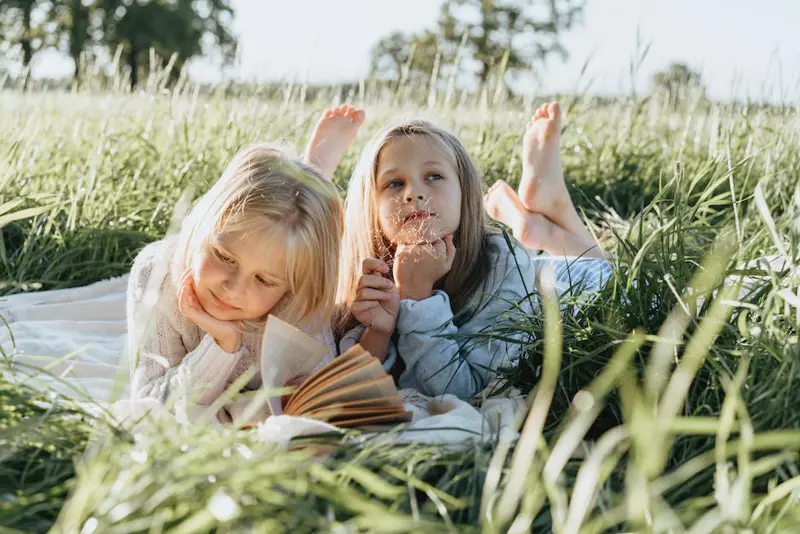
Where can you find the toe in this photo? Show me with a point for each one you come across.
(554, 110)
(328, 113)
(358, 116)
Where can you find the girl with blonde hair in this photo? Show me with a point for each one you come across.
(263, 240)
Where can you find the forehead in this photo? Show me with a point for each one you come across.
(414, 150)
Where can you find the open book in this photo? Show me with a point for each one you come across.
(352, 390)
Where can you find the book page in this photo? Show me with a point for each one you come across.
(287, 352)
(375, 388)
(235, 412)
(345, 363)
(376, 421)
(387, 404)
(367, 370)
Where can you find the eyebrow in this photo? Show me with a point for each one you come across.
(387, 171)
(391, 170)
(273, 277)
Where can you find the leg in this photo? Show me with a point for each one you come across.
(542, 188)
(534, 230)
(332, 136)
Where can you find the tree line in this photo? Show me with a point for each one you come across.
(128, 29)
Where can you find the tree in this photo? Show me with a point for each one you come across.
(23, 25)
(77, 22)
(392, 54)
(184, 27)
(522, 31)
(676, 80)
(512, 33)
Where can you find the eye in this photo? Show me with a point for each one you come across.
(394, 184)
(224, 258)
(435, 176)
(264, 282)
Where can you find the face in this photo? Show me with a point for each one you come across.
(239, 276)
(417, 191)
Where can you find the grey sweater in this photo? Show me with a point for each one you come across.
(433, 341)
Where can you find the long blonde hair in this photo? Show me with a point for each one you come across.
(364, 239)
(264, 190)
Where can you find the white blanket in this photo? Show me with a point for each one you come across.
(78, 336)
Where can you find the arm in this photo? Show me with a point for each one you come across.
(161, 363)
(438, 360)
(371, 341)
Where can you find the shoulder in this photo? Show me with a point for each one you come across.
(151, 268)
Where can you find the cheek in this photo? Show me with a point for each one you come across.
(204, 271)
(388, 211)
(267, 299)
(455, 205)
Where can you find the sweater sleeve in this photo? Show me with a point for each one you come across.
(161, 363)
(441, 357)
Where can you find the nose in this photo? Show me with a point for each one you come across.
(413, 193)
(232, 283)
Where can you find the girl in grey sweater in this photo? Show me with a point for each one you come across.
(422, 272)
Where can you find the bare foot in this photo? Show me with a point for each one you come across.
(332, 136)
(503, 205)
(542, 188)
(534, 230)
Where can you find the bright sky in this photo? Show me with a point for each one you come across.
(743, 48)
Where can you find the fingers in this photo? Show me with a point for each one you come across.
(373, 295)
(373, 265)
(375, 282)
(361, 308)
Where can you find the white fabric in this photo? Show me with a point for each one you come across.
(80, 335)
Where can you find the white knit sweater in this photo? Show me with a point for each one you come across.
(174, 354)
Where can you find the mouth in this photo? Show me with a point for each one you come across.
(418, 216)
(221, 304)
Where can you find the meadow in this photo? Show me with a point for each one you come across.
(670, 402)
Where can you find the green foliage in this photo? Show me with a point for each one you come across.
(139, 32)
(663, 403)
(480, 37)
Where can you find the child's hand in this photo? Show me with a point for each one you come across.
(226, 333)
(377, 303)
(418, 267)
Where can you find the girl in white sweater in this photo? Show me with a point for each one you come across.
(263, 240)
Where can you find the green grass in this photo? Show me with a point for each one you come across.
(653, 410)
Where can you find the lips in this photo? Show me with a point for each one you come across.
(418, 216)
(221, 303)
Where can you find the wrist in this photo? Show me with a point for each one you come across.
(379, 333)
(376, 343)
(415, 291)
(232, 344)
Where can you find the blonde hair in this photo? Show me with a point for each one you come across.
(264, 190)
(364, 239)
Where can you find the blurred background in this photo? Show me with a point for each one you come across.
(731, 50)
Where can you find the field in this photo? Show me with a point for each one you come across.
(688, 417)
